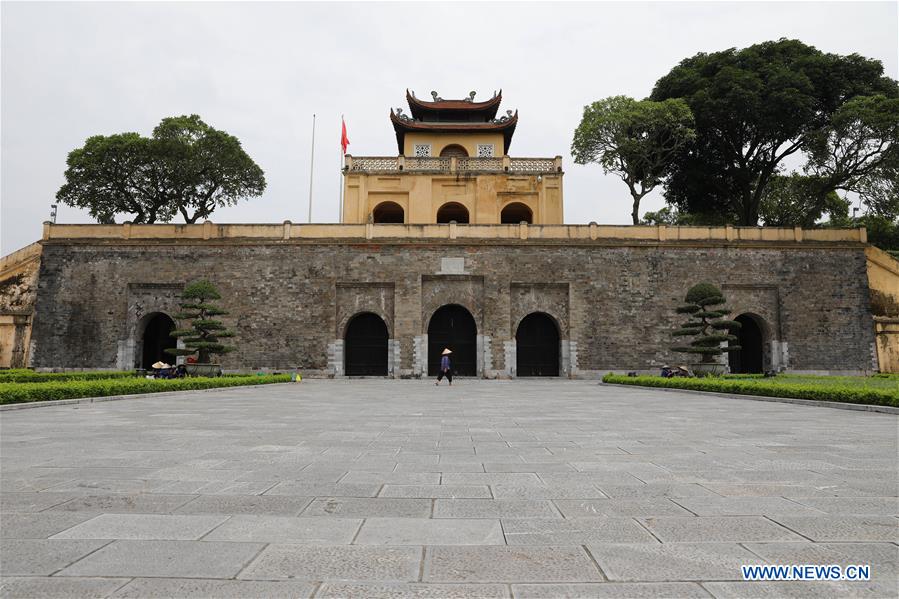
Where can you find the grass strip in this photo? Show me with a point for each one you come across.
(30, 376)
(25, 392)
(768, 388)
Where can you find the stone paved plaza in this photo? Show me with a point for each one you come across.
(378, 488)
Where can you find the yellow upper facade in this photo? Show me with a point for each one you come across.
(452, 165)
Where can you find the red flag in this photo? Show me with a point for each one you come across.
(344, 140)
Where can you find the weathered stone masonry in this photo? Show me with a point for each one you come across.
(290, 299)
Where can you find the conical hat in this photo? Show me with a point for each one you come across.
(160, 365)
(446, 351)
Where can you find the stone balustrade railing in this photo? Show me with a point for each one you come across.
(609, 234)
(504, 164)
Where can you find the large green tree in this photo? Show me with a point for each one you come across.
(186, 167)
(634, 139)
(797, 201)
(754, 108)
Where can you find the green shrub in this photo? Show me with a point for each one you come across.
(30, 376)
(835, 391)
(20, 393)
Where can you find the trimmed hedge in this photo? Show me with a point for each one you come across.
(768, 388)
(30, 376)
(21, 393)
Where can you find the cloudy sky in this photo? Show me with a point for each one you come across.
(260, 70)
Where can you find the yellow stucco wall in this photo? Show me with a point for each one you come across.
(438, 141)
(883, 281)
(484, 195)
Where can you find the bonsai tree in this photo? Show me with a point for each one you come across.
(205, 333)
(705, 306)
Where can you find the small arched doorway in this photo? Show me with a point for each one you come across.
(453, 327)
(537, 346)
(454, 150)
(452, 211)
(365, 346)
(157, 338)
(388, 212)
(749, 359)
(515, 213)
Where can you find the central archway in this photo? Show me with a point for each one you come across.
(515, 213)
(157, 338)
(452, 211)
(365, 346)
(388, 213)
(454, 150)
(537, 346)
(454, 327)
(750, 358)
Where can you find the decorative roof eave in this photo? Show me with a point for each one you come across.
(403, 124)
(489, 107)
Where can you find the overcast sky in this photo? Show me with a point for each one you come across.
(259, 71)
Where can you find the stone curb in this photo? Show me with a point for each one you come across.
(69, 402)
(801, 402)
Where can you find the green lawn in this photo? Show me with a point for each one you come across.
(54, 389)
(876, 390)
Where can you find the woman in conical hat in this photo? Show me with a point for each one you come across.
(446, 369)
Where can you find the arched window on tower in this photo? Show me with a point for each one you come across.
(452, 211)
(515, 213)
(454, 150)
(388, 212)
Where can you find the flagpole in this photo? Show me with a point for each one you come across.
(311, 171)
(340, 172)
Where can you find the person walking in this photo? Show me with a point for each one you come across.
(446, 369)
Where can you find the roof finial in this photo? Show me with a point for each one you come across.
(471, 96)
(436, 97)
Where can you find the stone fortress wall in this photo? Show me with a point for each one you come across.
(292, 289)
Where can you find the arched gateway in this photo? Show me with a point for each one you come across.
(454, 327)
(365, 346)
(537, 346)
(156, 338)
(750, 359)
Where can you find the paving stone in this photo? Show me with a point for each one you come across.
(491, 478)
(620, 507)
(745, 506)
(125, 504)
(355, 507)
(494, 508)
(306, 489)
(214, 487)
(437, 491)
(32, 501)
(42, 557)
(528, 467)
(609, 590)
(654, 490)
(183, 588)
(853, 506)
(166, 559)
(444, 467)
(393, 478)
(799, 589)
(412, 591)
(509, 564)
(671, 561)
(297, 531)
(883, 557)
(718, 529)
(143, 527)
(103, 486)
(770, 490)
(547, 492)
(38, 525)
(577, 531)
(57, 588)
(843, 528)
(246, 504)
(414, 531)
(335, 563)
